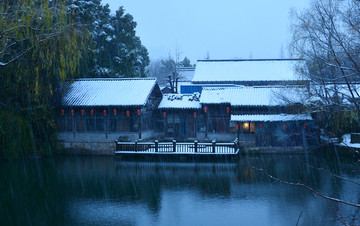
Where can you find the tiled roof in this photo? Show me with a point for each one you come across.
(252, 96)
(109, 92)
(180, 101)
(185, 73)
(270, 118)
(245, 70)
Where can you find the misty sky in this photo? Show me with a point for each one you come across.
(220, 29)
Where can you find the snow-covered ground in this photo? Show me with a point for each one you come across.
(346, 142)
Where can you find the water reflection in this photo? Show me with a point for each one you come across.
(102, 190)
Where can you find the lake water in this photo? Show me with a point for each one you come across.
(105, 191)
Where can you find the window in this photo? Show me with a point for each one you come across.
(248, 127)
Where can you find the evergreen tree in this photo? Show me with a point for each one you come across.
(116, 51)
(185, 63)
(129, 57)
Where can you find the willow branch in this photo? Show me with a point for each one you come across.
(332, 174)
(306, 187)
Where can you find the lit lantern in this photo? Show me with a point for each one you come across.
(261, 125)
(62, 112)
(237, 126)
(305, 125)
(72, 112)
(92, 112)
(138, 111)
(227, 110)
(195, 114)
(284, 127)
(115, 112)
(164, 114)
(82, 112)
(104, 112)
(205, 109)
(127, 113)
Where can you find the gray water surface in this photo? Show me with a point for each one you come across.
(106, 191)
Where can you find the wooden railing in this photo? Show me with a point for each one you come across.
(175, 147)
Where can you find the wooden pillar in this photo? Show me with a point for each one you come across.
(173, 122)
(237, 130)
(136, 146)
(106, 126)
(165, 127)
(156, 145)
(73, 125)
(236, 145)
(195, 145)
(213, 146)
(129, 124)
(174, 145)
(139, 126)
(206, 126)
(195, 127)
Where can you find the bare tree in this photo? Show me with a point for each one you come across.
(326, 36)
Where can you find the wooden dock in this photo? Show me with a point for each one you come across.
(178, 150)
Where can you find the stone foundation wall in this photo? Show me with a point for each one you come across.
(87, 148)
(95, 143)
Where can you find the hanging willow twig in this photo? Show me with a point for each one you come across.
(331, 173)
(307, 187)
(297, 223)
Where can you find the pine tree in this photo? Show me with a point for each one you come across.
(116, 51)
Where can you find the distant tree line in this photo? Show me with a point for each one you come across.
(42, 44)
(163, 68)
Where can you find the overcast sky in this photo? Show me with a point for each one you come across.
(222, 29)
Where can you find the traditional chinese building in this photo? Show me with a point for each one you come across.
(180, 116)
(257, 116)
(257, 101)
(104, 110)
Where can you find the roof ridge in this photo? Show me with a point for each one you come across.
(114, 79)
(260, 59)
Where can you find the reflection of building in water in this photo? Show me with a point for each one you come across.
(210, 178)
(156, 188)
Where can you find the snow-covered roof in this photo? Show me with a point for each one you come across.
(270, 118)
(180, 101)
(245, 70)
(185, 73)
(109, 92)
(253, 96)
